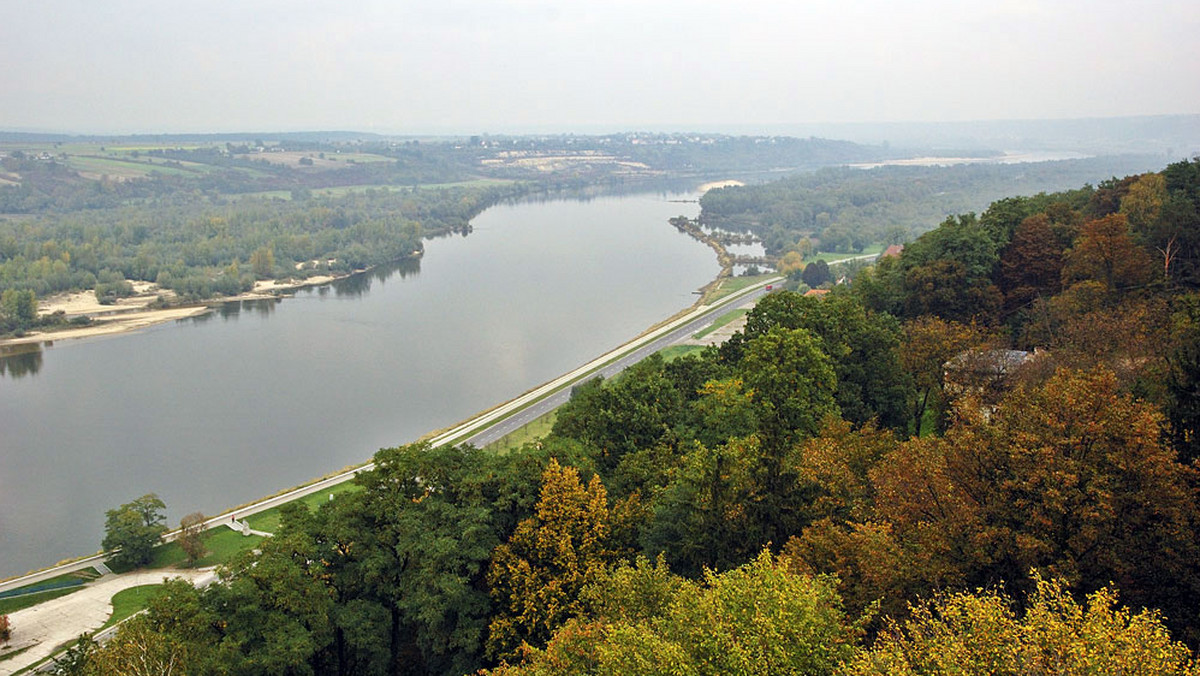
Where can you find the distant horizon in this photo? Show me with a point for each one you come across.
(597, 129)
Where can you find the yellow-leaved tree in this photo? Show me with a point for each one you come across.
(536, 576)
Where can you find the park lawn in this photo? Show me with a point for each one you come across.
(128, 602)
(722, 321)
(221, 544)
(734, 284)
(12, 605)
(533, 430)
(268, 521)
(670, 354)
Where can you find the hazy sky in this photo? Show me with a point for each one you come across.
(470, 66)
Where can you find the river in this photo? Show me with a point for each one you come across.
(220, 410)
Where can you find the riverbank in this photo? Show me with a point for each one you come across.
(135, 312)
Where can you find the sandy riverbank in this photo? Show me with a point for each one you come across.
(719, 184)
(133, 313)
(120, 323)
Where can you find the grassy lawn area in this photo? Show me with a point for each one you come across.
(733, 285)
(835, 257)
(722, 321)
(74, 581)
(268, 521)
(127, 602)
(12, 605)
(222, 544)
(535, 429)
(674, 352)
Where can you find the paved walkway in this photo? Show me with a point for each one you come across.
(50, 625)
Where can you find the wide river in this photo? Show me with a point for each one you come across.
(218, 411)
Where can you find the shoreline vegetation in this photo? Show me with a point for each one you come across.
(137, 312)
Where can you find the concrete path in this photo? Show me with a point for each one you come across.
(50, 625)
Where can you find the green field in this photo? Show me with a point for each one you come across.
(15, 603)
(12, 605)
(722, 321)
(832, 258)
(674, 352)
(125, 168)
(222, 544)
(128, 602)
(268, 521)
(734, 284)
(533, 430)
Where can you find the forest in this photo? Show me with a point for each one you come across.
(845, 209)
(205, 217)
(980, 457)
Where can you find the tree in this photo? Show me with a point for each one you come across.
(536, 577)
(816, 273)
(791, 264)
(139, 650)
(980, 633)
(930, 342)
(262, 261)
(191, 536)
(132, 530)
(792, 384)
(699, 520)
(1105, 252)
(760, 618)
(862, 346)
(948, 271)
(413, 549)
(20, 306)
(1031, 265)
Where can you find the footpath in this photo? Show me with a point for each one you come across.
(41, 630)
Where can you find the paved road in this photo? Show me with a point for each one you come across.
(502, 420)
(674, 337)
(50, 625)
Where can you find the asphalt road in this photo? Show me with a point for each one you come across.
(503, 419)
(560, 397)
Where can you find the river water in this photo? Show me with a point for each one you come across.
(258, 397)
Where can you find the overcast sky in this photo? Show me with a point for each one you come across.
(472, 66)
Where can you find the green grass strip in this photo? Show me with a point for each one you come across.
(12, 605)
(128, 602)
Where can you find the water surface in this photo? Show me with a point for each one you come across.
(258, 397)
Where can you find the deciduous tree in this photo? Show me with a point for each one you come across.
(536, 577)
(132, 530)
(982, 633)
(191, 536)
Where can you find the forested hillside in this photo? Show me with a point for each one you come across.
(204, 217)
(874, 482)
(847, 209)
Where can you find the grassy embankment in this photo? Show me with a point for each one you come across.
(221, 543)
(19, 601)
(129, 602)
(268, 520)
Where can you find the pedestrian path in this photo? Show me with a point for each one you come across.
(41, 630)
